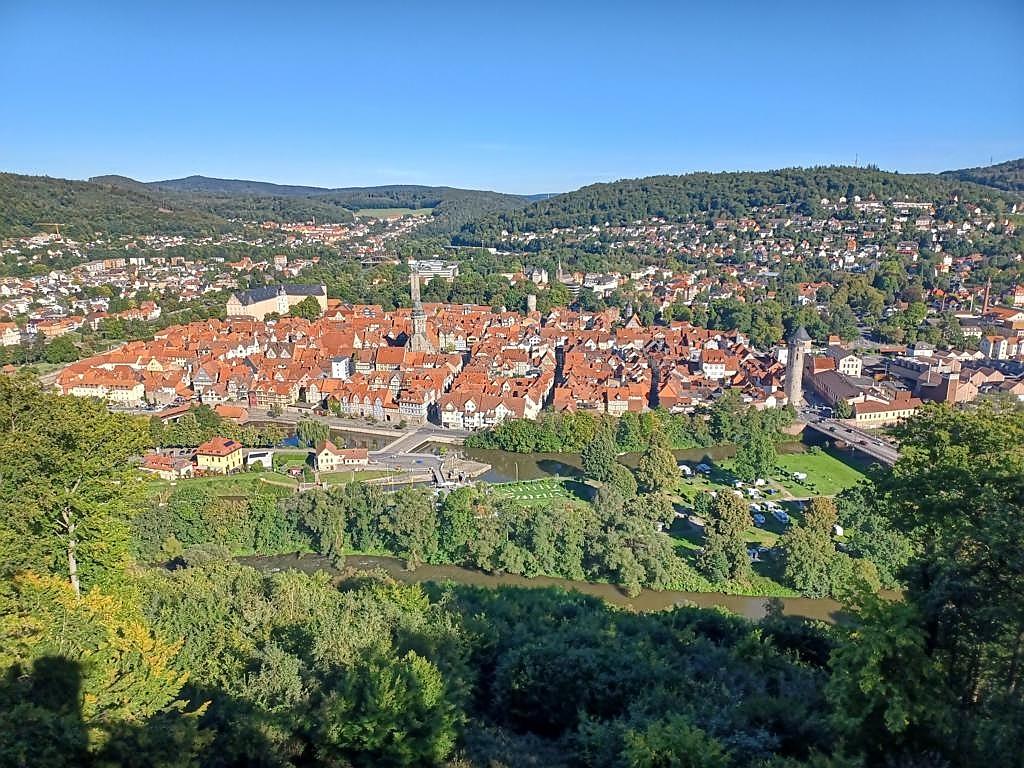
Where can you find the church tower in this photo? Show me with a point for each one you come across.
(418, 341)
(799, 344)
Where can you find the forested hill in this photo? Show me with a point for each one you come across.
(254, 200)
(451, 207)
(208, 185)
(1008, 176)
(733, 193)
(34, 204)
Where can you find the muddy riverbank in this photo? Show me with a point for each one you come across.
(648, 600)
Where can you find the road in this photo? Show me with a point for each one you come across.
(858, 439)
(410, 437)
(397, 454)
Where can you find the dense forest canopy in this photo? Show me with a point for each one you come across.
(451, 207)
(33, 204)
(197, 204)
(1007, 176)
(109, 661)
(116, 205)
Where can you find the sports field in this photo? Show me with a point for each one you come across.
(545, 491)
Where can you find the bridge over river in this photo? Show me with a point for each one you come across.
(858, 439)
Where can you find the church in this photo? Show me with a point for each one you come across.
(418, 341)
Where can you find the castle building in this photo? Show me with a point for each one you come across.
(260, 302)
(799, 345)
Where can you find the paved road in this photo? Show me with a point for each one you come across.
(424, 432)
(856, 438)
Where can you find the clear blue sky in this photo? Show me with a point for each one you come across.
(516, 96)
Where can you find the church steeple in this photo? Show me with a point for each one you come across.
(418, 341)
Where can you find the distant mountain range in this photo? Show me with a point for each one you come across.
(412, 193)
(199, 204)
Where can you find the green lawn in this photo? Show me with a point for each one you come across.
(243, 484)
(335, 478)
(827, 475)
(285, 458)
(545, 491)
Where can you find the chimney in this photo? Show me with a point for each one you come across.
(988, 289)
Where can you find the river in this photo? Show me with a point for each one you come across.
(343, 438)
(648, 600)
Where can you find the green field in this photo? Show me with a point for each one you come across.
(392, 213)
(336, 478)
(243, 484)
(543, 492)
(827, 475)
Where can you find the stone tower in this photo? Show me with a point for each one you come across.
(418, 341)
(799, 344)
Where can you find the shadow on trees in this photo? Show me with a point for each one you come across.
(42, 726)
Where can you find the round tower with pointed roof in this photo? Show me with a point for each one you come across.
(799, 345)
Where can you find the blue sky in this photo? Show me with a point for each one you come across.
(515, 96)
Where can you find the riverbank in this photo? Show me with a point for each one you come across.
(754, 608)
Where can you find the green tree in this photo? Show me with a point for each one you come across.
(956, 688)
(724, 555)
(809, 558)
(412, 523)
(673, 743)
(387, 712)
(84, 675)
(812, 565)
(67, 488)
(657, 470)
(598, 457)
(308, 308)
(456, 523)
(310, 432)
(870, 534)
(624, 481)
(61, 350)
(756, 456)
(843, 409)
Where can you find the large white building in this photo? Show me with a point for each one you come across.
(428, 269)
(260, 302)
